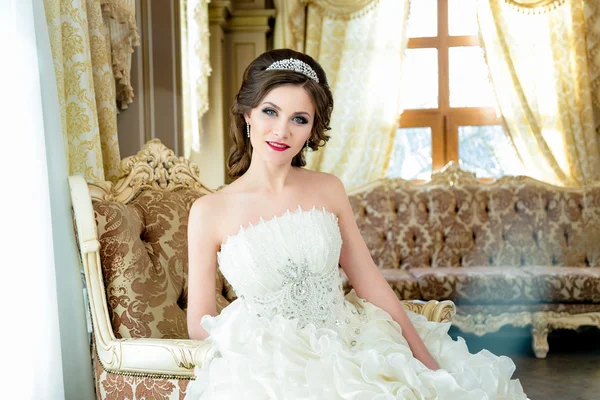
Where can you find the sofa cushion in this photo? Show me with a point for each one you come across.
(124, 386)
(143, 251)
(499, 309)
(403, 283)
(476, 285)
(567, 284)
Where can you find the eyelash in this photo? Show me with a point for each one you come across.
(298, 120)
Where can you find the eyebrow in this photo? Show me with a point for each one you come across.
(279, 109)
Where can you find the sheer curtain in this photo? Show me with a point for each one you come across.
(45, 354)
(195, 65)
(538, 62)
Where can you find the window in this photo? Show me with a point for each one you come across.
(449, 104)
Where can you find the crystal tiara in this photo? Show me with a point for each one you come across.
(293, 64)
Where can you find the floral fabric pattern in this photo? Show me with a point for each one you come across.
(517, 241)
(86, 87)
(515, 222)
(144, 261)
(564, 284)
(122, 387)
(477, 285)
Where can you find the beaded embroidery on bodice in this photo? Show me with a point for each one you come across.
(288, 266)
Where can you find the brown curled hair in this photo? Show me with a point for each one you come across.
(257, 83)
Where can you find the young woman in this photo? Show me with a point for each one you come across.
(278, 233)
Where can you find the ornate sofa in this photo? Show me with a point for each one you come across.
(132, 235)
(515, 251)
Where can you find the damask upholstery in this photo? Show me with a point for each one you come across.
(477, 285)
(499, 309)
(567, 284)
(144, 263)
(403, 283)
(515, 241)
(126, 387)
(510, 223)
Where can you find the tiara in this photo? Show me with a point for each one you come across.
(292, 64)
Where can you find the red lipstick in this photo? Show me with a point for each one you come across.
(278, 146)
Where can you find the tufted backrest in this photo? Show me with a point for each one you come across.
(456, 220)
(142, 224)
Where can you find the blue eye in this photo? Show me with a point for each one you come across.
(300, 120)
(269, 111)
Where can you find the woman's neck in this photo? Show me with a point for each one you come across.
(268, 178)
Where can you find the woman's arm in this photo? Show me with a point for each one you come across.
(202, 266)
(366, 279)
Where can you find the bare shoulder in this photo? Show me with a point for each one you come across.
(323, 181)
(328, 184)
(202, 206)
(329, 190)
(205, 215)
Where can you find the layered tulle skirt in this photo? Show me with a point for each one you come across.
(258, 358)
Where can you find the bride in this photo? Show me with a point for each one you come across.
(278, 233)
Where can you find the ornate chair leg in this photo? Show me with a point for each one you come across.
(540, 329)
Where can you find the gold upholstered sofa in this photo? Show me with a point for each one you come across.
(513, 252)
(132, 236)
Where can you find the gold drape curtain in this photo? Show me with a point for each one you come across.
(340, 8)
(534, 6)
(81, 42)
(592, 22)
(361, 50)
(538, 62)
(119, 20)
(289, 31)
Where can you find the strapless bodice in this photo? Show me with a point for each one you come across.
(288, 266)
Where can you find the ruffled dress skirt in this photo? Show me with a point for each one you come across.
(259, 358)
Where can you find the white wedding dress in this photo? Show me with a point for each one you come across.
(292, 334)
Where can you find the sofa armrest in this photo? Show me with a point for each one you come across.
(433, 310)
(159, 358)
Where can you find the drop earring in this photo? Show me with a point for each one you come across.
(308, 148)
(248, 129)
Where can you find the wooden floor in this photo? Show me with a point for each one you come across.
(571, 371)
